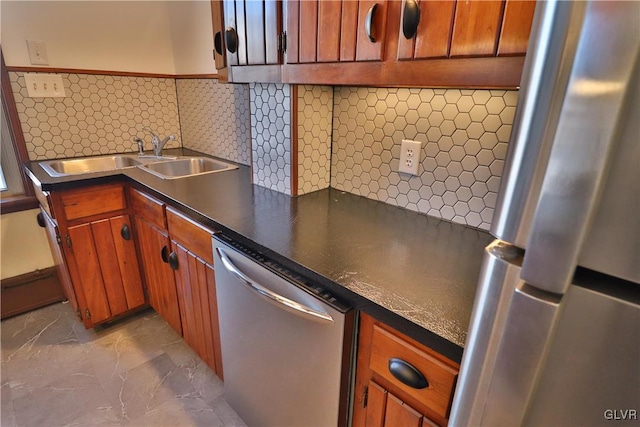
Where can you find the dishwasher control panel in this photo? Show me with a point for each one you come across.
(291, 276)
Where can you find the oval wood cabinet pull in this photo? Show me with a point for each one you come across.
(164, 254)
(217, 42)
(40, 219)
(407, 374)
(231, 37)
(125, 232)
(368, 23)
(410, 18)
(173, 260)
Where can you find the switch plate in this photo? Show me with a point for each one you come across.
(44, 85)
(37, 52)
(410, 157)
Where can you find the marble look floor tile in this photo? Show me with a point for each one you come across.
(7, 414)
(119, 351)
(61, 402)
(187, 411)
(134, 372)
(208, 386)
(138, 391)
(226, 413)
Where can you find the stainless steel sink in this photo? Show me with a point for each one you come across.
(190, 166)
(89, 164)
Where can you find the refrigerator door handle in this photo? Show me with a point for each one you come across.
(499, 277)
(585, 138)
(530, 325)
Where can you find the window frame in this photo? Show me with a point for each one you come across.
(27, 200)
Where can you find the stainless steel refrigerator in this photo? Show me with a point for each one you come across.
(554, 338)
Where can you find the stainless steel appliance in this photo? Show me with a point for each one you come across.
(285, 342)
(555, 331)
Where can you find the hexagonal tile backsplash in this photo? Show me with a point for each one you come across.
(99, 115)
(215, 118)
(271, 135)
(315, 111)
(464, 135)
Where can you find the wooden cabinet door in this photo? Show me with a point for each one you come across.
(196, 287)
(516, 27)
(88, 280)
(154, 246)
(198, 306)
(386, 410)
(217, 21)
(476, 28)
(252, 31)
(433, 33)
(107, 267)
(335, 31)
(55, 243)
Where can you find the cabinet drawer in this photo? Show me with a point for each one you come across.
(441, 378)
(190, 234)
(93, 201)
(149, 208)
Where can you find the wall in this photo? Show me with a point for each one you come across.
(16, 257)
(214, 118)
(137, 36)
(99, 115)
(464, 135)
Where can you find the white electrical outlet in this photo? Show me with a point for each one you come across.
(44, 85)
(410, 157)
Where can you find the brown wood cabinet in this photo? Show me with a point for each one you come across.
(192, 250)
(55, 244)
(335, 31)
(99, 249)
(253, 40)
(419, 43)
(400, 381)
(177, 257)
(219, 46)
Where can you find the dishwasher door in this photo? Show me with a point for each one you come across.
(284, 347)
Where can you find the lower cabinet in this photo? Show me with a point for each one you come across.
(55, 243)
(192, 259)
(198, 307)
(177, 259)
(400, 382)
(99, 251)
(154, 251)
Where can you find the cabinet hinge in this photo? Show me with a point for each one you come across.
(68, 240)
(365, 396)
(87, 313)
(282, 42)
(79, 313)
(58, 239)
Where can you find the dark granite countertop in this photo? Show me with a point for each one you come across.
(414, 272)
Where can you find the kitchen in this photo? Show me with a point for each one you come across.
(352, 145)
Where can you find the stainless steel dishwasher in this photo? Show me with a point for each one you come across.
(287, 344)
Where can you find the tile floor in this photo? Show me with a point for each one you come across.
(137, 372)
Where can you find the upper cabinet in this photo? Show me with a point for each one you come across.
(219, 48)
(321, 31)
(252, 38)
(415, 43)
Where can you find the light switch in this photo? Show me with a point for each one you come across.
(44, 85)
(37, 52)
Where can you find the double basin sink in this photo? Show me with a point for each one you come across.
(163, 167)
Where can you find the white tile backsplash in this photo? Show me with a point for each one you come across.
(271, 135)
(99, 115)
(464, 135)
(214, 118)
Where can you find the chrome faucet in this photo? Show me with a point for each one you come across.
(157, 143)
